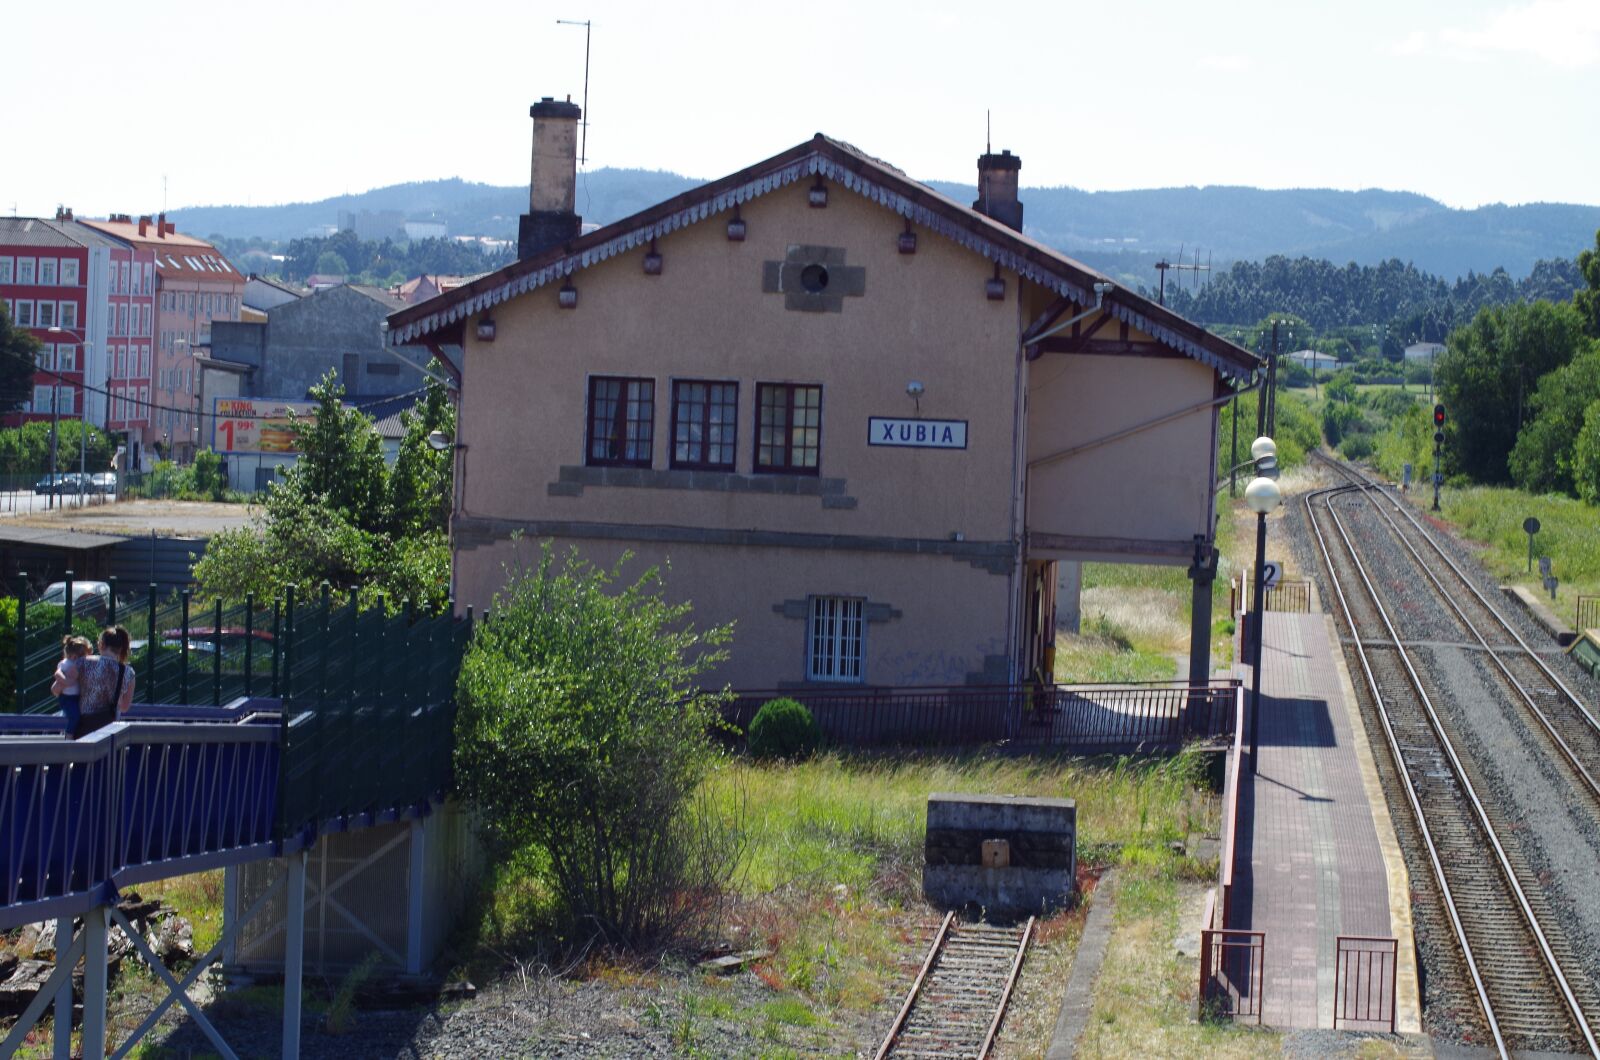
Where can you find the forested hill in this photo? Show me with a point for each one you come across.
(1414, 304)
(1123, 232)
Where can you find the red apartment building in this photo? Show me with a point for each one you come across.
(195, 285)
(44, 282)
(90, 301)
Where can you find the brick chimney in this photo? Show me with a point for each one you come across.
(997, 188)
(162, 228)
(552, 188)
(144, 225)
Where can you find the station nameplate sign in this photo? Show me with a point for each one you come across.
(917, 433)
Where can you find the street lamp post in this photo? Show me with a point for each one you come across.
(83, 414)
(1260, 496)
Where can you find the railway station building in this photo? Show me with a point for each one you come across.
(862, 421)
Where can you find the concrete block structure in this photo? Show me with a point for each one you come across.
(1010, 855)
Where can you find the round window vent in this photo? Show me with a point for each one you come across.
(814, 278)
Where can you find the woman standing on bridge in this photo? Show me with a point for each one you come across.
(105, 683)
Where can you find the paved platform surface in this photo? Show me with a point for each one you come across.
(1316, 855)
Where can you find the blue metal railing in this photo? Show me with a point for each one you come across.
(135, 801)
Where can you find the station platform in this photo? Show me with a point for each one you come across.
(1316, 856)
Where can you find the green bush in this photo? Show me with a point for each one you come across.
(582, 739)
(1356, 446)
(784, 728)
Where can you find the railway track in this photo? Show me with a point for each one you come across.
(959, 998)
(1566, 720)
(1518, 972)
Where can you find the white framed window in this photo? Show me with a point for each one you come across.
(24, 316)
(11, 308)
(8, 269)
(122, 319)
(125, 269)
(41, 398)
(44, 315)
(144, 320)
(66, 358)
(68, 311)
(26, 270)
(69, 272)
(47, 272)
(47, 357)
(835, 638)
(122, 362)
(111, 318)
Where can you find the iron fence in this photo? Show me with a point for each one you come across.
(1293, 595)
(1364, 982)
(1588, 613)
(1232, 973)
(1079, 717)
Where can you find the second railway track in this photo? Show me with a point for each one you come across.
(959, 998)
(1525, 979)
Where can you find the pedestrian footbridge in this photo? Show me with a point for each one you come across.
(353, 731)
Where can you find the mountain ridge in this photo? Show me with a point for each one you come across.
(1121, 232)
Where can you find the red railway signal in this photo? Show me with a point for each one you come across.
(1438, 415)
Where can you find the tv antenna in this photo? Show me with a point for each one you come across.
(988, 131)
(583, 149)
(1194, 269)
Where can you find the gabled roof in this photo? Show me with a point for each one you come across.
(33, 232)
(178, 256)
(441, 316)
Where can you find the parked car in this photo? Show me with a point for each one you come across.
(89, 599)
(232, 640)
(104, 482)
(65, 482)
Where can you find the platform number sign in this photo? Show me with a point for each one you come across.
(1271, 574)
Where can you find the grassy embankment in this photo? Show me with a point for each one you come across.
(830, 882)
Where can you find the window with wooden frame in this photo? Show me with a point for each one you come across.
(788, 428)
(705, 424)
(621, 427)
(835, 638)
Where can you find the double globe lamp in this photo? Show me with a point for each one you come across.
(1260, 496)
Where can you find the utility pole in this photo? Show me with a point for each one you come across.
(1272, 385)
(55, 421)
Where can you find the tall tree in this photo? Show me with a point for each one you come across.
(1542, 461)
(1587, 299)
(420, 483)
(341, 459)
(19, 352)
(1489, 362)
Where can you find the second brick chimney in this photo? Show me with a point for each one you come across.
(997, 188)
(552, 216)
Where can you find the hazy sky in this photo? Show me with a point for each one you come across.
(1469, 101)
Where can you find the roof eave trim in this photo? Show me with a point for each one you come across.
(812, 164)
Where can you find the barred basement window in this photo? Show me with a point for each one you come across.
(621, 429)
(834, 639)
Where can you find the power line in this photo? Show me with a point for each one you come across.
(191, 410)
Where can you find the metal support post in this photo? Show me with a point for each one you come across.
(150, 652)
(1203, 572)
(1260, 592)
(1233, 448)
(294, 952)
(94, 984)
(414, 896)
(62, 1049)
(1437, 447)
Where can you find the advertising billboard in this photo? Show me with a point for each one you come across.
(257, 425)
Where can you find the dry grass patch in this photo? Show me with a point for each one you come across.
(1144, 1000)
